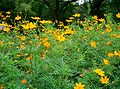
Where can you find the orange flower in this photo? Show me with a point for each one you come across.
(90, 28)
(23, 81)
(93, 44)
(108, 43)
(84, 37)
(108, 30)
(1, 87)
(104, 80)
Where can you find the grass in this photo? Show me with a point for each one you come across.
(80, 55)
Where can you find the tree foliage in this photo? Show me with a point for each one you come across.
(60, 9)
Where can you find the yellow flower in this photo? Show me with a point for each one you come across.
(101, 20)
(69, 21)
(104, 80)
(46, 21)
(90, 28)
(25, 26)
(93, 44)
(118, 15)
(47, 44)
(110, 54)
(29, 26)
(116, 53)
(32, 25)
(108, 30)
(60, 38)
(10, 43)
(30, 41)
(18, 55)
(1, 43)
(71, 18)
(99, 72)
(66, 27)
(105, 61)
(6, 29)
(36, 18)
(68, 31)
(3, 24)
(18, 17)
(95, 17)
(84, 25)
(8, 12)
(28, 58)
(7, 16)
(23, 38)
(79, 86)
(76, 15)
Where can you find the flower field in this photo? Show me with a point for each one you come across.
(35, 54)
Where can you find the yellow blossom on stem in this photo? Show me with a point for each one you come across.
(104, 80)
(69, 21)
(110, 54)
(28, 58)
(18, 55)
(47, 44)
(1, 43)
(116, 53)
(99, 72)
(84, 37)
(79, 86)
(60, 38)
(105, 61)
(18, 17)
(6, 29)
(95, 17)
(76, 15)
(8, 12)
(118, 15)
(23, 38)
(101, 20)
(36, 18)
(93, 44)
